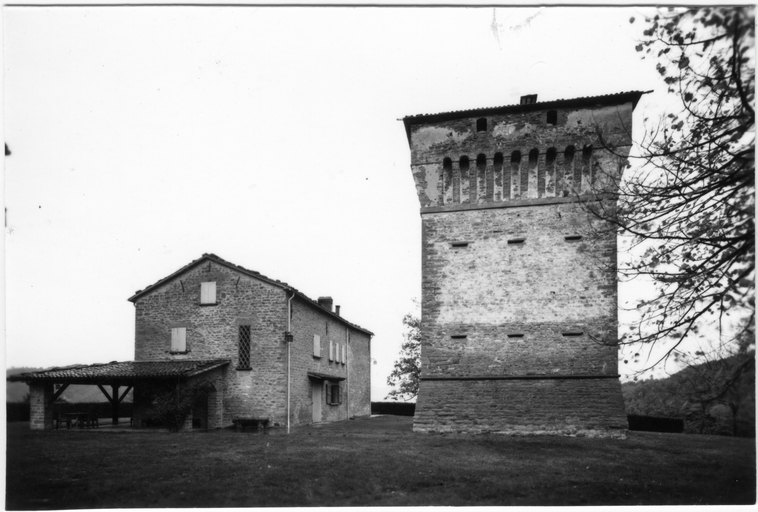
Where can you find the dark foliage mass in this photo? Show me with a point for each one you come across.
(653, 424)
(405, 375)
(687, 201)
(171, 408)
(393, 408)
(714, 397)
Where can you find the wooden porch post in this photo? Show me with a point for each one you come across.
(114, 404)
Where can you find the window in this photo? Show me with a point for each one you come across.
(316, 345)
(244, 348)
(552, 117)
(344, 354)
(208, 293)
(333, 393)
(481, 125)
(552, 153)
(331, 350)
(179, 339)
(463, 164)
(336, 352)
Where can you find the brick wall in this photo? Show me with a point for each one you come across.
(40, 416)
(212, 332)
(504, 180)
(504, 293)
(492, 291)
(308, 320)
(559, 406)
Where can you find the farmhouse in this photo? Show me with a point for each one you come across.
(265, 351)
(519, 291)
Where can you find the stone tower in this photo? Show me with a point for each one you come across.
(519, 292)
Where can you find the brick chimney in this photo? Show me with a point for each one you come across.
(337, 310)
(326, 303)
(528, 99)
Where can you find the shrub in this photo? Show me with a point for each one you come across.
(395, 408)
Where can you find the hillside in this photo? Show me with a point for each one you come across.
(16, 391)
(696, 395)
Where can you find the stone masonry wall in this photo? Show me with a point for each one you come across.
(519, 292)
(40, 417)
(499, 308)
(506, 172)
(213, 332)
(575, 406)
(308, 320)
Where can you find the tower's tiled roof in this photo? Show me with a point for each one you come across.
(584, 101)
(123, 371)
(251, 273)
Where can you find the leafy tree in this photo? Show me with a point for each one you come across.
(688, 205)
(405, 376)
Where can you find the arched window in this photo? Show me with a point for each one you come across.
(568, 174)
(550, 156)
(481, 124)
(568, 155)
(463, 183)
(516, 157)
(551, 178)
(447, 179)
(587, 170)
(552, 117)
(587, 153)
(481, 161)
(498, 185)
(533, 157)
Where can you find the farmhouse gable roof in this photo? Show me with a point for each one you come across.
(251, 273)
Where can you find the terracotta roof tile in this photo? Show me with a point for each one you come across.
(127, 370)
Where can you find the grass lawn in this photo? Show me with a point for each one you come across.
(377, 461)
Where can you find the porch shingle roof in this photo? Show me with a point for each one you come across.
(123, 371)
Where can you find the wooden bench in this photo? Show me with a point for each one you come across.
(257, 423)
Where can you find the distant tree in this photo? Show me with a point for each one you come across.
(405, 376)
(722, 379)
(688, 202)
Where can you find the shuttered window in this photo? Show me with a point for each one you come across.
(333, 393)
(331, 350)
(208, 293)
(316, 345)
(179, 339)
(336, 352)
(244, 347)
(344, 354)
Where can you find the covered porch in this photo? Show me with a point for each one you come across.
(115, 380)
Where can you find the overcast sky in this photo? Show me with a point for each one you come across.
(142, 138)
